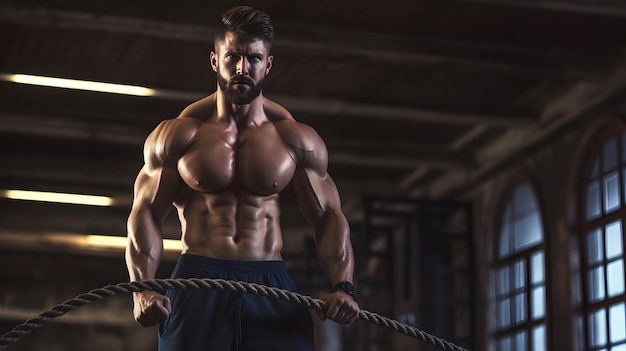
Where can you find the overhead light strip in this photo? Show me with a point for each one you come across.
(62, 241)
(120, 242)
(77, 199)
(80, 84)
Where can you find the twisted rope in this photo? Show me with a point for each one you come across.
(217, 284)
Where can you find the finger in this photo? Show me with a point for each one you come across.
(333, 310)
(352, 318)
(347, 314)
(153, 315)
(159, 311)
(167, 305)
(145, 321)
(321, 315)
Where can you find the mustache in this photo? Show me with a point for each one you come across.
(239, 79)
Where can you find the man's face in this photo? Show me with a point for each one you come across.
(241, 64)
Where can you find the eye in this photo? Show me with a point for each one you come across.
(232, 57)
(256, 58)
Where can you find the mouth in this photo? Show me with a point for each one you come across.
(241, 82)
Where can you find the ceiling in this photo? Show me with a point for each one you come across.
(424, 99)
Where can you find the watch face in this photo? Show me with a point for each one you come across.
(347, 287)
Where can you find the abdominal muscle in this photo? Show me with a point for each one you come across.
(231, 225)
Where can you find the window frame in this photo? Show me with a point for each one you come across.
(585, 226)
(496, 333)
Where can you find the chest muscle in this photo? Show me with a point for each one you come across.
(257, 161)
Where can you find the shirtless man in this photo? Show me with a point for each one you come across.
(222, 164)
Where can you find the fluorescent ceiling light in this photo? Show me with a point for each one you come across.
(78, 199)
(82, 242)
(120, 242)
(81, 85)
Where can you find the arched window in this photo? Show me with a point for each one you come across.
(602, 239)
(520, 275)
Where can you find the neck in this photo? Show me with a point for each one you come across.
(242, 116)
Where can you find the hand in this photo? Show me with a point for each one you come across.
(151, 308)
(341, 308)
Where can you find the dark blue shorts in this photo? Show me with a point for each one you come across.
(215, 320)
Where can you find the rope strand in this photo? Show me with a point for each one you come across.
(161, 285)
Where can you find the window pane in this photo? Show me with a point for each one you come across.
(593, 200)
(537, 269)
(610, 155)
(504, 281)
(617, 321)
(615, 278)
(504, 313)
(596, 284)
(524, 201)
(519, 277)
(623, 138)
(528, 231)
(539, 338)
(621, 347)
(520, 341)
(506, 343)
(505, 233)
(611, 192)
(520, 308)
(595, 169)
(624, 177)
(614, 239)
(538, 303)
(597, 328)
(594, 246)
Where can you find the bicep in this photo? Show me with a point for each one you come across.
(158, 181)
(155, 190)
(316, 195)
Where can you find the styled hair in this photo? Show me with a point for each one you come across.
(247, 21)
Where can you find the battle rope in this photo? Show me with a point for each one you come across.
(218, 284)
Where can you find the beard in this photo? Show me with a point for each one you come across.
(236, 94)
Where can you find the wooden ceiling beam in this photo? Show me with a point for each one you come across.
(596, 8)
(323, 40)
(65, 128)
(335, 107)
(450, 163)
(584, 100)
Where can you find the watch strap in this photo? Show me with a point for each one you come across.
(346, 287)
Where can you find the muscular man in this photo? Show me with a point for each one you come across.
(222, 164)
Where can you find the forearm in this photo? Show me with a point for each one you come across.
(145, 246)
(334, 248)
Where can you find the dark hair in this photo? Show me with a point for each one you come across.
(247, 21)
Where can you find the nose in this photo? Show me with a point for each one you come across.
(242, 67)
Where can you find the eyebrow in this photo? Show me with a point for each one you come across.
(229, 52)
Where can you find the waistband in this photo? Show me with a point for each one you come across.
(216, 264)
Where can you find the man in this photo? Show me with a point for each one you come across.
(222, 164)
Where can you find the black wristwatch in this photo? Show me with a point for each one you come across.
(347, 287)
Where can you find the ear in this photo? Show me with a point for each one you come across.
(213, 59)
(270, 60)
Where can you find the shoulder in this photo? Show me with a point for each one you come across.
(275, 112)
(292, 132)
(201, 110)
(169, 140)
(308, 147)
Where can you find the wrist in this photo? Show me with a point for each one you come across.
(346, 287)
